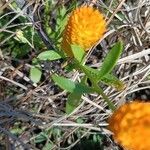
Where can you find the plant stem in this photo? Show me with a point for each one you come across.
(96, 87)
(100, 91)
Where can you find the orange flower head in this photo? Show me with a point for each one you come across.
(131, 125)
(85, 27)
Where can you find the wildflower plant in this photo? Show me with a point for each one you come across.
(79, 37)
(84, 28)
(58, 34)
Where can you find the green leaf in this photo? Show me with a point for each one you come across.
(47, 146)
(80, 120)
(20, 36)
(90, 72)
(62, 12)
(64, 83)
(73, 101)
(49, 55)
(111, 59)
(93, 73)
(76, 90)
(61, 21)
(71, 86)
(35, 74)
(111, 80)
(41, 137)
(78, 52)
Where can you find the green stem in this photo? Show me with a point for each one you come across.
(96, 87)
(100, 91)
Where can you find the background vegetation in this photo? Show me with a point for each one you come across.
(32, 107)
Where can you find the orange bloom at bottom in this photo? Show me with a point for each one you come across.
(131, 125)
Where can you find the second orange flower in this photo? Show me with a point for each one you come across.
(131, 125)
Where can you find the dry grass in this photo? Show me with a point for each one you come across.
(41, 106)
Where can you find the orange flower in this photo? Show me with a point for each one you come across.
(84, 28)
(131, 125)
